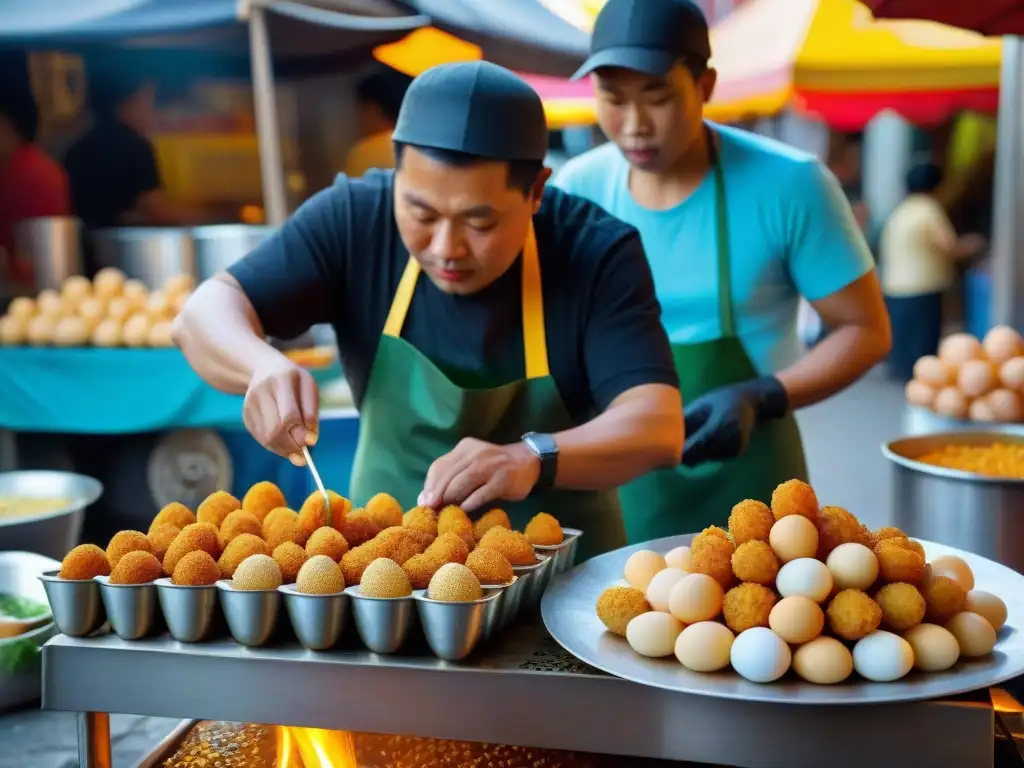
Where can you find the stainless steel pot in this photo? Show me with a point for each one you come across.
(148, 254)
(218, 247)
(921, 421)
(984, 515)
(54, 533)
(52, 245)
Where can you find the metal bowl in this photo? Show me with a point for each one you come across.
(251, 613)
(149, 254)
(51, 534)
(383, 623)
(188, 611)
(977, 513)
(564, 553)
(76, 605)
(131, 608)
(219, 246)
(454, 629)
(318, 620)
(19, 576)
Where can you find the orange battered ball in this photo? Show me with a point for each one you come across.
(795, 497)
(750, 520)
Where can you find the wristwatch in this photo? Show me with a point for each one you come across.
(544, 447)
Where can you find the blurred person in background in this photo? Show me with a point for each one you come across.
(379, 97)
(737, 228)
(919, 250)
(32, 185)
(115, 179)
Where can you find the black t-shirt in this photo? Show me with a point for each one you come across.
(108, 168)
(339, 259)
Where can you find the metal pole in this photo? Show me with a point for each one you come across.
(1007, 271)
(94, 740)
(265, 104)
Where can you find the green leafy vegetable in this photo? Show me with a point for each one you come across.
(16, 607)
(20, 657)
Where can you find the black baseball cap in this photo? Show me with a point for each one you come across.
(474, 107)
(649, 36)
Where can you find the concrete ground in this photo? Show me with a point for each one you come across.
(842, 437)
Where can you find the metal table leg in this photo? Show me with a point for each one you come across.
(94, 740)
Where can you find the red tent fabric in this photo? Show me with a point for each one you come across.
(990, 17)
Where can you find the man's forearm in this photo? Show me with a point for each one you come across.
(639, 432)
(835, 363)
(221, 338)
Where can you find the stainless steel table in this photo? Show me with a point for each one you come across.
(525, 691)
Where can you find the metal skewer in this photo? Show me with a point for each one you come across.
(319, 483)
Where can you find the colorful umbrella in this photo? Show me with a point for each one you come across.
(832, 59)
(990, 17)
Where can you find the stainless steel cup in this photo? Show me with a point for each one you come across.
(383, 623)
(188, 611)
(535, 578)
(564, 554)
(76, 605)
(454, 629)
(496, 613)
(131, 608)
(318, 620)
(251, 613)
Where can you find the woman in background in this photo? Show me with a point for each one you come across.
(919, 250)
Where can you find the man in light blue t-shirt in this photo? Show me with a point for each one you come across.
(737, 228)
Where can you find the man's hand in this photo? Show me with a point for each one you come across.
(281, 408)
(719, 424)
(477, 473)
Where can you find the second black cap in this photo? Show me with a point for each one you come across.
(474, 107)
(648, 36)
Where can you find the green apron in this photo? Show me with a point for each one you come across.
(685, 499)
(412, 414)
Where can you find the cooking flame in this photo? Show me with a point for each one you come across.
(315, 748)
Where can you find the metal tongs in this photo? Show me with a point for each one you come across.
(319, 483)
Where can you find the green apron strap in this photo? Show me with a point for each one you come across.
(725, 308)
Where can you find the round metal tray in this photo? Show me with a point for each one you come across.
(569, 615)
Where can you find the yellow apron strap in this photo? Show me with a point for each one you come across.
(403, 298)
(534, 339)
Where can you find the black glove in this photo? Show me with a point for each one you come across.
(719, 424)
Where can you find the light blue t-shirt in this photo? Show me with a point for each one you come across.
(791, 233)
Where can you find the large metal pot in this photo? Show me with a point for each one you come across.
(921, 421)
(218, 247)
(54, 533)
(984, 515)
(148, 254)
(52, 245)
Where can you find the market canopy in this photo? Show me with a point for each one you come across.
(832, 59)
(989, 17)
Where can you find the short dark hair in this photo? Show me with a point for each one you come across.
(18, 107)
(386, 88)
(110, 81)
(923, 178)
(522, 174)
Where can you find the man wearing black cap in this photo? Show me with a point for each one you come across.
(529, 368)
(737, 228)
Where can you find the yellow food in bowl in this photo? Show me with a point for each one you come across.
(994, 460)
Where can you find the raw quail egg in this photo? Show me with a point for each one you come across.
(973, 633)
(653, 634)
(678, 558)
(107, 334)
(135, 293)
(920, 394)
(1002, 343)
(694, 598)
(956, 349)
(759, 655)
(70, 332)
(823, 661)
(1011, 374)
(955, 568)
(660, 588)
(158, 306)
(641, 567)
(933, 372)
(178, 284)
(935, 648)
(976, 378)
(793, 537)
(13, 330)
(988, 606)
(49, 304)
(853, 566)
(136, 331)
(981, 411)
(796, 619)
(951, 402)
(704, 646)
(108, 282)
(119, 309)
(882, 657)
(1005, 405)
(40, 330)
(160, 334)
(22, 307)
(805, 577)
(75, 289)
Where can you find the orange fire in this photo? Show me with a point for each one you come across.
(315, 748)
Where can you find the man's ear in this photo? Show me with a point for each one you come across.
(707, 83)
(537, 192)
